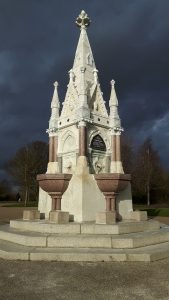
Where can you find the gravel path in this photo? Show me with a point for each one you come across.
(56, 280)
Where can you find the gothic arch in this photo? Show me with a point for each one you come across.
(68, 142)
(103, 137)
(97, 143)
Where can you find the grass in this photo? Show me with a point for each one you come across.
(153, 212)
(162, 212)
(22, 204)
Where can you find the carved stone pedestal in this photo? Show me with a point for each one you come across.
(138, 215)
(106, 217)
(59, 217)
(31, 215)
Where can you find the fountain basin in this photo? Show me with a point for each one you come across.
(110, 185)
(55, 185)
(112, 182)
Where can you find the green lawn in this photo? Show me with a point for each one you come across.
(162, 212)
(22, 204)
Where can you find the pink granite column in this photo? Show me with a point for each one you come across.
(56, 201)
(53, 145)
(110, 201)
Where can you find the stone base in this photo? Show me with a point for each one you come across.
(138, 215)
(83, 199)
(59, 217)
(124, 204)
(84, 242)
(106, 217)
(45, 203)
(89, 228)
(31, 215)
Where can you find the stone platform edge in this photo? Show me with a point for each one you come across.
(85, 228)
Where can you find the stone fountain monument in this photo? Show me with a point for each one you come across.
(84, 147)
(85, 208)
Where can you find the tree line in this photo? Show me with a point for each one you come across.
(150, 180)
(23, 168)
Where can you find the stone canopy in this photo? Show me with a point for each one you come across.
(84, 102)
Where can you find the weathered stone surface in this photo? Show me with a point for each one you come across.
(59, 217)
(31, 214)
(138, 215)
(77, 256)
(83, 198)
(107, 217)
(45, 226)
(79, 241)
(146, 245)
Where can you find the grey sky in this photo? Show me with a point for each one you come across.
(129, 39)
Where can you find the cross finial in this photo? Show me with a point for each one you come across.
(83, 20)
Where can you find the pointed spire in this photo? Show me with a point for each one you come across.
(83, 56)
(83, 89)
(113, 104)
(113, 97)
(55, 105)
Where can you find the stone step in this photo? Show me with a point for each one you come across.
(123, 227)
(26, 238)
(136, 240)
(132, 240)
(44, 226)
(12, 251)
(108, 241)
(80, 241)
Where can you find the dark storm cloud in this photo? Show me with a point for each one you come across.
(130, 43)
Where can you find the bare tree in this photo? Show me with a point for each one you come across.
(29, 161)
(148, 172)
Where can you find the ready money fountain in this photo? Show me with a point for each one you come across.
(85, 210)
(85, 175)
